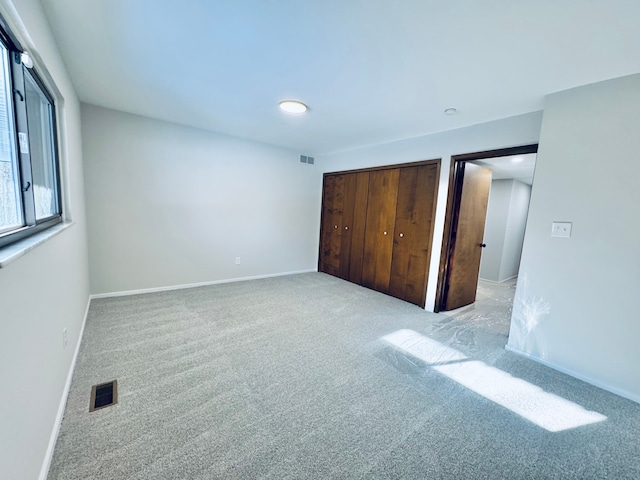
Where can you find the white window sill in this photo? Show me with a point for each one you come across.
(14, 251)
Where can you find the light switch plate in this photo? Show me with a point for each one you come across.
(561, 229)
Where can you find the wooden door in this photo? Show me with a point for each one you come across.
(415, 212)
(380, 224)
(344, 207)
(354, 222)
(331, 229)
(466, 239)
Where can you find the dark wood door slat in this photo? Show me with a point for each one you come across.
(378, 243)
(361, 198)
(412, 241)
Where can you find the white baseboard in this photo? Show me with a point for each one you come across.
(501, 281)
(193, 285)
(585, 378)
(46, 464)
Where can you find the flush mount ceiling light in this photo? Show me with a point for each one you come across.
(517, 160)
(450, 111)
(293, 106)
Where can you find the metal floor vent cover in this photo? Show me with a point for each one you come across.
(103, 395)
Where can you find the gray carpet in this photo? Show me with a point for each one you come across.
(290, 378)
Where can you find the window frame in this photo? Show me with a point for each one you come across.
(18, 110)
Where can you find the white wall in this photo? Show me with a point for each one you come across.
(494, 229)
(172, 205)
(47, 289)
(577, 298)
(515, 230)
(504, 229)
(508, 132)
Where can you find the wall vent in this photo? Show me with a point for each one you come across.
(306, 159)
(103, 395)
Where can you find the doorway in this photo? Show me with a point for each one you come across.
(464, 242)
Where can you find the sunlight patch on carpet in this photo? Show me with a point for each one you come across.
(423, 348)
(547, 410)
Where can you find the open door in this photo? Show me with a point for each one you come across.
(466, 239)
(469, 186)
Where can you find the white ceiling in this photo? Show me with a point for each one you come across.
(519, 167)
(371, 71)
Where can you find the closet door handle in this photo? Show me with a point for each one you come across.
(402, 235)
(385, 233)
(335, 226)
(346, 228)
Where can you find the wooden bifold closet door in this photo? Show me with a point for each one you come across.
(378, 239)
(415, 211)
(344, 206)
(377, 228)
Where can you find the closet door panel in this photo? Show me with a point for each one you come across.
(378, 242)
(361, 193)
(346, 225)
(417, 190)
(331, 236)
(404, 239)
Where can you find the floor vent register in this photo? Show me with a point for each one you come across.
(103, 395)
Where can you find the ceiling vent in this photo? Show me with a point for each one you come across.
(307, 159)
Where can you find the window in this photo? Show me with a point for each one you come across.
(29, 174)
